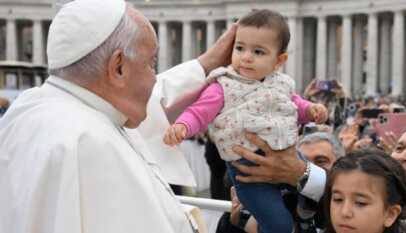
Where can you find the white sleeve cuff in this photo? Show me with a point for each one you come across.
(314, 188)
(180, 86)
(180, 81)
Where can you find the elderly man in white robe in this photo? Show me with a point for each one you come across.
(67, 163)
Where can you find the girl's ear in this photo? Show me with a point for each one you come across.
(392, 213)
(282, 58)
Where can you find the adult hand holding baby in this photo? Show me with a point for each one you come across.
(275, 167)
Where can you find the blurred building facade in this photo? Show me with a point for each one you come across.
(358, 42)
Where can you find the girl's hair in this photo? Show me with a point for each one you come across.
(376, 163)
(271, 20)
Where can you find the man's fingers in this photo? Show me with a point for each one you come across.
(228, 35)
(220, 53)
(392, 137)
(261, 144)
(249, 155)
(248, 170)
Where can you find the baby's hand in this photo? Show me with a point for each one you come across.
(175, 134)
(317, 113)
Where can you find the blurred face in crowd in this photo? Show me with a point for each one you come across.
(320, 153)
(399, 153)
(256, 52)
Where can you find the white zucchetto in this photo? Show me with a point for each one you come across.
(80, 27)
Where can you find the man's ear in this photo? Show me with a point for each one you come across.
(282, 58)
(115, 68)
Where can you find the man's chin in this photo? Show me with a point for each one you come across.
(131, 124)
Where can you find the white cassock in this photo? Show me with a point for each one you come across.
(68, 166)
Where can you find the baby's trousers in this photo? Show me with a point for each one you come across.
(264, 201)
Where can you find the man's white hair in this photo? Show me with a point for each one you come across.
(94, 64)
(316, 137)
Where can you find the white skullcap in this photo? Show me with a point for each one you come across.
(80, 27)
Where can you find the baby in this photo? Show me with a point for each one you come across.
(251, 95)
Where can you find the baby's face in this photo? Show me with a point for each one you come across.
(256, 52)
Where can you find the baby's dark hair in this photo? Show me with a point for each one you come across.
(379, 164)
(269, 19)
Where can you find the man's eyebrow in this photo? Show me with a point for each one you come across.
(321, 156)
(401, 143)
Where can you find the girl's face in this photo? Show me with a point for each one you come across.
(357, 204)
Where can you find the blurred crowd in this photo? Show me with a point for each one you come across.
(376, 121)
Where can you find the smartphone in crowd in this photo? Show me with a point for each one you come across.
(371, 113)
(391, 122)
(326, 85)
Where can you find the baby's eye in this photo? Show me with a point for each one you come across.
(259, 52)
(239, 48)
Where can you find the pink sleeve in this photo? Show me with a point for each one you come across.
(302, 106)
(202, 112)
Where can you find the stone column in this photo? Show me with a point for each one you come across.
(372, 54)
(332, 50)
(38, 43)
(385, 55)
(163, 46)
(398, 42)
(346, 54)
(321, 59)
(295, 61)
(186, 40)
(11, 40)
(300, 85)
(309, 50)
(211, 33)
(358, 57)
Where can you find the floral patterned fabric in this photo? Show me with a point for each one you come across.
(263, 107)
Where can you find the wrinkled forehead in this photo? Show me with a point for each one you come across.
(402, 138)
